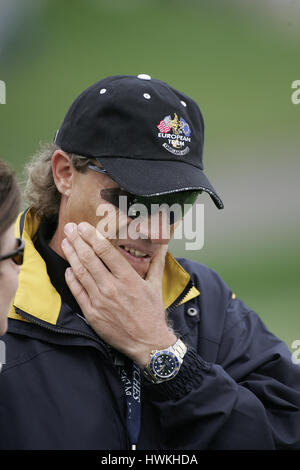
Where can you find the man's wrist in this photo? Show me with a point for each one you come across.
(143, 358)
(189, 378)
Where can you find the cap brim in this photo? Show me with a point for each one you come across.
(157, 177)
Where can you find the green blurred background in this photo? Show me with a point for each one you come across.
(237, 59)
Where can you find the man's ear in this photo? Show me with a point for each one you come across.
(62, 170)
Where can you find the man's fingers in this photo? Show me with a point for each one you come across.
(77, 290)
(80, 271)
(110, 256)
(156, 268)
(87, 255)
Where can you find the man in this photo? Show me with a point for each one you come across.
(113, 343)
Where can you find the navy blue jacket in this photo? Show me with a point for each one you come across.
(61, 389)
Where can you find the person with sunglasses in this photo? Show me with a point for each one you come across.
(114, 343)
(11, 249)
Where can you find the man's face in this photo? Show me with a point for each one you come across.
(137, 242)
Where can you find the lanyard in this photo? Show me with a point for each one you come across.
(132, 385)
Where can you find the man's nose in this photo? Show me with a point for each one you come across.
(156, 228)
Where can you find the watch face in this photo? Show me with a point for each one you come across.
(164, 365)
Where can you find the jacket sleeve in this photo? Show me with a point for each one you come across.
(248, 399)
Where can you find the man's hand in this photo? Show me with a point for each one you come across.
(124, 309)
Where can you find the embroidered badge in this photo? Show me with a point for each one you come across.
(177, 141)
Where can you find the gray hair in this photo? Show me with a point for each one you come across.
(40, 192)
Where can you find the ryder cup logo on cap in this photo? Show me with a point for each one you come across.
(177, 141)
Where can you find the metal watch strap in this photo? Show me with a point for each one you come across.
(179, 348)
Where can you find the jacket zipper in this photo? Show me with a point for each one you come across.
(182, 296)
(106, 346)
(67, 331)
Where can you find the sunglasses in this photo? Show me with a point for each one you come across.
(17, 255)
(178, 203)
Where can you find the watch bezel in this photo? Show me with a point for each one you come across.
(156, 355)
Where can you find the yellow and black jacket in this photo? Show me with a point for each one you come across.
(61, 388)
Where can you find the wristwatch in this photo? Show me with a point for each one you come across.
(165, 364)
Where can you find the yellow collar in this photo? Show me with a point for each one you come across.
(37, 296)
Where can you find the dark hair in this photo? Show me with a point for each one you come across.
(10, 197)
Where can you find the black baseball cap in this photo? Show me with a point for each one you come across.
(147, 135)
